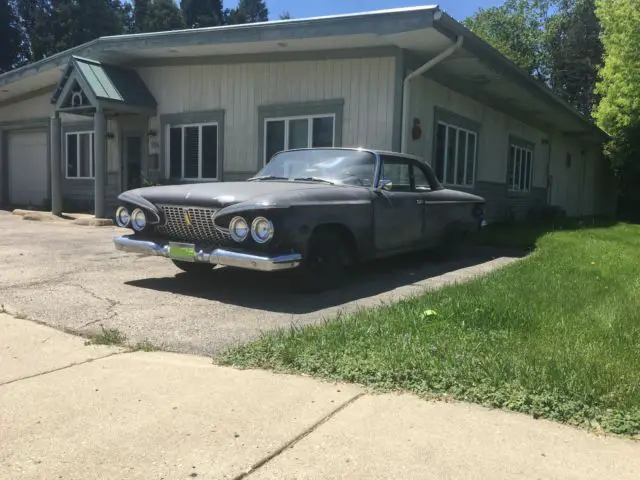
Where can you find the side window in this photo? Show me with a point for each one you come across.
(420, 180)
(398, 170)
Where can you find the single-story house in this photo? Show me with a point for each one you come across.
(213, 104)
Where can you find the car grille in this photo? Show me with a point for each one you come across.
(199, 227)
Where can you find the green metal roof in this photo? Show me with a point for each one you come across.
(108, 84)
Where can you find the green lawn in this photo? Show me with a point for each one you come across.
(556, 335)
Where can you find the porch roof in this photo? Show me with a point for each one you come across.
(100, 85)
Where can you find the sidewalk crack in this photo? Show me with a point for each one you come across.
(260, 463)
(111, 309)
(63, 368)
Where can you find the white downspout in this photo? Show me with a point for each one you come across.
(406, 91)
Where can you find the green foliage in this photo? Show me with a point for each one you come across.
(52, 26)
(248, 11)
(575, 53)
(202, 13)
(161, 16)
(619, 110)
(107, 336)
(38, 28)
(514, 28)
(11, 36)
(554, 335)
(556, 41)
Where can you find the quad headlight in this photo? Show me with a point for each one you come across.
(239, 229)
(123, 217)
(138, 220)
(261, 230)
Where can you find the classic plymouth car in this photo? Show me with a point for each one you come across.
(315, 210)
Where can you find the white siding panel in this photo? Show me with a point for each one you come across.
(494, 135)
(366, 85)
(32, 108)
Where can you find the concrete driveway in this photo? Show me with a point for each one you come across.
(70, 277)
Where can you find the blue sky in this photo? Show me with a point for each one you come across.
(458, 9)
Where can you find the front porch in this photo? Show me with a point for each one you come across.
(102, 146)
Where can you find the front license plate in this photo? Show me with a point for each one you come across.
(182, 251)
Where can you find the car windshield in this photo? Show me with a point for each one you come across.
(346, 167)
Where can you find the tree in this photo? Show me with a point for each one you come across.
(35, 16)
(514, 29)
(74, 23)
(575, 53)
(202, 13)
(248, 11)
(618, 112)
(160, 16)
(140, 12)
(556, 41)
(11, 37)
(285, 15)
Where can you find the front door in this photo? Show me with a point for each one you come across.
(133, 160)
(398, 212)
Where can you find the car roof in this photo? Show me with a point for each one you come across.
(363, 149)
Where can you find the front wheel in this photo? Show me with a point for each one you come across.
(324, 266)
(193, 268)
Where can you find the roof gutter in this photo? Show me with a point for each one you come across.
(406, 91)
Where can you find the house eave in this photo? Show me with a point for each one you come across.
(448, 26)
(373, 25)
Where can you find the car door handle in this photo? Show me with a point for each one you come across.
(420, 201)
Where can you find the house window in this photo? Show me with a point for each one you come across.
(193, 151)
(519, 169)
(455, 158)
(298, 132)
(80, 155)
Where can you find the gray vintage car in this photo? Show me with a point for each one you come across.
(316, 210)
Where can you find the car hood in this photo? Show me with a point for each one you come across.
(223, 194)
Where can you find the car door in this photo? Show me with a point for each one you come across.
(398, 211)
(423, 181)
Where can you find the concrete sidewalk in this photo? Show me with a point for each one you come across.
(75, 412)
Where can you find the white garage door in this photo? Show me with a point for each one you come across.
(28, 160)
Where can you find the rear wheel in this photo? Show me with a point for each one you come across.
(324, 266)
(193, 268)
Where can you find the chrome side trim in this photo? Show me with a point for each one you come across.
(217, 256)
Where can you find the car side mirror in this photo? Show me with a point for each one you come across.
(384, 184)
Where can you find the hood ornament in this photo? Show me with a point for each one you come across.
(187, 195)
(187, 217)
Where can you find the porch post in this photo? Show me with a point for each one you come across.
(55, 152)
(100, 174)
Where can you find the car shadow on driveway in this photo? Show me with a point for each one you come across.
(271, 291)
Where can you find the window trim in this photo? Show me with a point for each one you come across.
(525, 147)
(287, 120)
(468, 131)
(414, 165)
(92, 173)
(200, 125)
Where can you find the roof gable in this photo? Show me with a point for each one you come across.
(89, 84)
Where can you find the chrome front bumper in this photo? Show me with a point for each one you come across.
(218, 256)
